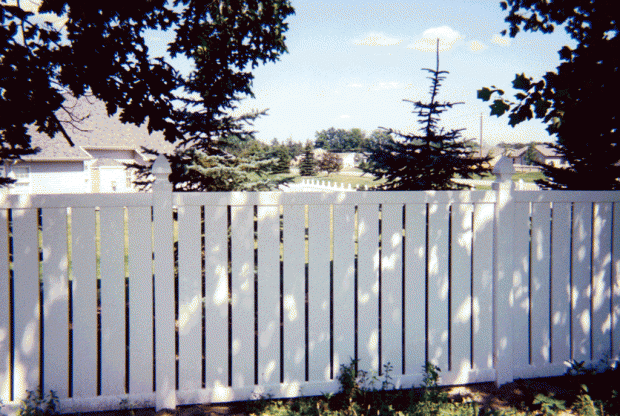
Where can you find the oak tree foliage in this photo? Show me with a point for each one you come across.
(576, 100)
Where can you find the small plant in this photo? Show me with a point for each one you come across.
(549, 405)
(584, 405)
(38, 404)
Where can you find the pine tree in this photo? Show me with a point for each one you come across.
(308, 163)
(430, 159)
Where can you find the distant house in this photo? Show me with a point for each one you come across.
(543, 153)
(95, 164)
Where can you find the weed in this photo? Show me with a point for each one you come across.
(38, 404)
(549, 405)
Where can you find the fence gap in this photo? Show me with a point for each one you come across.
(306, 290)
(70, 300)
(175, 242)
(230, 311)
(331, 292)
(551, 284)
(153, 303)
(281, 298)
(450, 212)
(471, 288)
(529, 287)
(593, 212)
(203, 321)
(127, 294)
(355, 287)
(571, 285)
(98, 276)
(380, 309)
(41, 298)
(426, 216)
(255, 279)
(11, 371)
(403, 283)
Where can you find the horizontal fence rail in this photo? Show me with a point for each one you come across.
(176, 298)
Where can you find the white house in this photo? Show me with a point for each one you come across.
(95, 164)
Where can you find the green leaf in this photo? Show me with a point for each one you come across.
(499, 107)
(485, 94)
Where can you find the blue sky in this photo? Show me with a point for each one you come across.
(351, 64)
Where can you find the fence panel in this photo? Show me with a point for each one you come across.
(26, 313)
(560, 283)
(461, 287)
(140, 300)
(368, 287)
(112, 301)
(539, 283)
(55, 301)
(392, 287)
(601, 280)
(319, 287)
(268, 295)
(520, 288)
(242, 246)
(85, 336)
(5, 309)
(293, 297)
(190, 298)
(581, 281)
(615, 317)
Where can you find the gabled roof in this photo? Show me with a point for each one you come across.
(95, 130)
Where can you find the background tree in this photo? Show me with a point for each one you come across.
(283, 160)
(574, 100)
(330, 162)
(340, 140)
(307, 167)
(99, 48)
(429, 160)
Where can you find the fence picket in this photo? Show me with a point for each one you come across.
(392, 287)
(84, 288)
(601, 280)
(615, 276)
(318, 293)
(5, 309)
(461, 242)
(294, 302)
(560, 283)
(217, 298)
(343, 295)
(112, 301)
(26, 317)
(581, 281)
(368, 287)
(140, 300)
(539, 283)
(520, 289)
(269, 294)
(438, 285)
(190, 298)
(55, 302)
(242, 295)
(415, 282)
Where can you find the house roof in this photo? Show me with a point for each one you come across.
(96, 130)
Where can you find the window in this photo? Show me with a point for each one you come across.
(22, 173)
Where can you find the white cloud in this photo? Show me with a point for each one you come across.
(476, 46)
(501, 40)
(428, 41)
(386, 85)
(377, 39)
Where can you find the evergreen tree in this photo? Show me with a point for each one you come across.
(283, 160)
(308, 163)
(429, 160)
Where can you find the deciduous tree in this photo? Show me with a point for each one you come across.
(576, 100)
(330, 162)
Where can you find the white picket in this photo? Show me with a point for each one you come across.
(581, 277)
(520, 288)
(294, 297)
(415, 283)
(601, 280)
(392, 287)
(84, 286)
(318, 293)
(615, 275)
(344, 294)
(269, 294)
(242, 295)
(438, 285)
(5, 305)
(539, 284)
(26, 314)
(140, 300)
(368, 287)
(55, 302)
(112, 301)
(190, 298)
(460, 286)
(216, 300)
(560, 283)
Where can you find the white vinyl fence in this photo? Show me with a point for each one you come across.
(166, 298)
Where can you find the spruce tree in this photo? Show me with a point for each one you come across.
(308, 163)
(429, 159)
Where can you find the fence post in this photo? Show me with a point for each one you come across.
(502, 271)
(164, 287)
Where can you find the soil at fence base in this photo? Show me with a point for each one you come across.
(512, 395)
